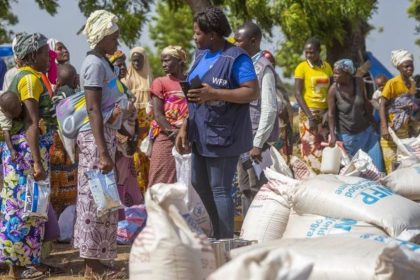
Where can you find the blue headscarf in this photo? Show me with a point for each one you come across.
(345, 65)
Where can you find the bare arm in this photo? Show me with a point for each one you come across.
(245, 93)
(332, 113)
(30, 106)
(159, 115)
(382, 114)
(299, 97)
(93, 106)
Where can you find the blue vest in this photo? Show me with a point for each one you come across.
(220, 129)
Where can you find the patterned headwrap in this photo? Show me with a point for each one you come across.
(100, 24)
(175, 51)
(345, 65)
(400, 56)
(117, 55)
(28, 43)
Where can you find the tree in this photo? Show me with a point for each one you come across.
(169, 28)
(414, 12)
(7, 18)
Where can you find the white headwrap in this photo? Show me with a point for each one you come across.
(100, 23)
(51, 43)
(400, 56)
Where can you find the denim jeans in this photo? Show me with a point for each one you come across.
(212, 179)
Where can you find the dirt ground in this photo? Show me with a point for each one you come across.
(67, 258)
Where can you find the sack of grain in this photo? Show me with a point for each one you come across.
(310, 226)
(361, 165)
(405, 181)
(268, 214)
(361, 200)
(171, 246)
(349, 256)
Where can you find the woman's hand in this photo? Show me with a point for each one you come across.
(333, 140)
(201, 95)
(385, 133)
(39, 172)
(105, 163)
(181, 141)
(256, 154)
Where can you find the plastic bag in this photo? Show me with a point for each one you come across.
(37, 197)
(104, 191)
(146, 146)
(66, 223)
(135, 221)
(362, 166)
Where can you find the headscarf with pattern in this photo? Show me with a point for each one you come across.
(28, 43)
(345, 65)
(117, 55)
(100, 24)
(400, 56)
(175, 51)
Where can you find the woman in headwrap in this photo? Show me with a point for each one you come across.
(350, 114)
(396, 105)
(312, 80)
(95, 235)
(128, 188)
(20, 238)
(138, 80)
(170, 109)
(59, 54)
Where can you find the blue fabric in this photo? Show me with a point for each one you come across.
(242, 69)
(3, 70)
(212, 179)
(367, 141)
(219, 128)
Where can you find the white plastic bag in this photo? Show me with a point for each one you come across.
(300, 169)
(310, 226)
(146, 146)
(37, 198)
(104, 191)
(407, 149)
(269, 212)
(192, 199)
(361, 200)
(362, 165)
(171, 246)
(405, 181)
(66, 223)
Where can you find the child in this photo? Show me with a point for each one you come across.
(380, 81)
(11, 108)
(67, 80)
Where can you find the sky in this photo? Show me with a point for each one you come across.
(398, 29)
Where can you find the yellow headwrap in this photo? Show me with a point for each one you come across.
(117, 55)
(175, 51)
(100, 23)
(138, 82)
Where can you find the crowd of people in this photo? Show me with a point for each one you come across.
(226, 109)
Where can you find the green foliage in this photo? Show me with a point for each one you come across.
(7, 18)
(131, 15)
(326, 19)
(170, 26)
(414, 12)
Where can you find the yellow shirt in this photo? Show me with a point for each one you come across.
(396, 86)
(316, 83)
(30, 86)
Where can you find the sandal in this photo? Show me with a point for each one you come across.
(48, 269)
(32, 273)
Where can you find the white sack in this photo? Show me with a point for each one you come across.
(348, 256)
(266, 264)
(301, 169)
(405, 181)
(192, 199)
(310, 226)
(361, 200)
(171, 246)
(268, 214)
(279, 164)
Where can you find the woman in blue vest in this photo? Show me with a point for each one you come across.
(218, 126)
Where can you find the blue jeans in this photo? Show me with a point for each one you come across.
(367, 141)
(212, 179)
